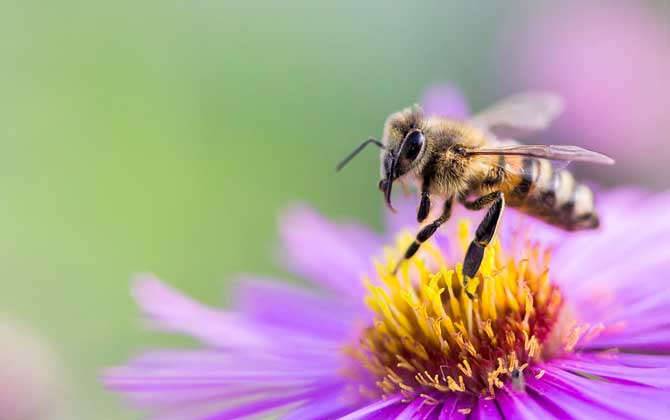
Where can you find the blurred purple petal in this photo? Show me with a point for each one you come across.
(321, 251)
(265, 405)
(602, 257)
(405, 216)
(171, 311)
(32, 383)
(610, 59)
(445, 100)
(373, 408)
(266, 301)
(328, 406)
(189, 381)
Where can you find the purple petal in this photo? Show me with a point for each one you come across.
(264, 405)
(328, 406)
(518, 405)
(616, 275)
(609, 368)
(195, 383)
(454, 403)
(171, 311)
(634, 318)
(567, 402)
(486, 410)
(588, 398)
(621, 237)
(277, 303)
(410, 410)
(640, 307)
(390, 412)
(643, 360)
(428, 412)
(210, 367)
(651, 341)
(445, 100)
(416, 410)
(170, 378)
(608, 252)
(334, 256)
(615, 278)
(373, 408)
(404, 218)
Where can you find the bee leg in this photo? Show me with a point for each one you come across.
(424, 207)
(483, 236)
(425, 233)
(482, 201)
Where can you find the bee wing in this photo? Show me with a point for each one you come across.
(520, 115)
(512, 159)
(516, 165)
(563, 153)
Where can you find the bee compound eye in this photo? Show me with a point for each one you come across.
(414, 142)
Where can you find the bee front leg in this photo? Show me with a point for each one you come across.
(483, 236)
(427, 231)
(424, 207)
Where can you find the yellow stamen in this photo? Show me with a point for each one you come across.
(429, 336)
(427, 399)
(465, 368)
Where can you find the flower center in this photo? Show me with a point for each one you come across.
(429, 338)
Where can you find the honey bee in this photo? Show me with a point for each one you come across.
(475, 163)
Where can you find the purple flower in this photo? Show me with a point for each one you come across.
(32, 384)
(565, 325)
(611, 60)
(445, 99)
(561, 323)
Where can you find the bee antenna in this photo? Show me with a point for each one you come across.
(357, 151)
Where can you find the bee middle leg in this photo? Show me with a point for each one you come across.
(425, 233)
(484, 234)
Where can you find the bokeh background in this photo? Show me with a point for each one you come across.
(166, 136)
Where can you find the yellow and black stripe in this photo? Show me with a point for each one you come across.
(549, 194)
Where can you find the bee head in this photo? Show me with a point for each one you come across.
(404, 145)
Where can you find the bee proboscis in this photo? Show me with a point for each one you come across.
(472, 162)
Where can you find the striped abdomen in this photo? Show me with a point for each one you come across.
(551, 195)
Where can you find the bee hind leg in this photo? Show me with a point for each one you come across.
(425, 233)
(482, 201)
(483, 236)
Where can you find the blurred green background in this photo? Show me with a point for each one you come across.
(166, 136)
